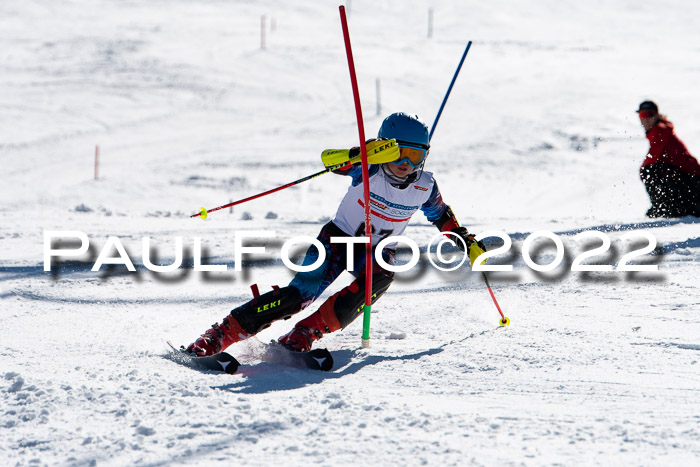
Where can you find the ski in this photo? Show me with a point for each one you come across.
(276, 353)
(218, 362)
(315, 359)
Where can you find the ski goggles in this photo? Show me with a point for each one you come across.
(414, 156)
(644, 114)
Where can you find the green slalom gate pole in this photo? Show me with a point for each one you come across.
(365, 178)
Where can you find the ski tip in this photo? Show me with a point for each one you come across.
(221, 361)
(227, 362)
(323, 358)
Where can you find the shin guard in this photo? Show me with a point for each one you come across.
(260, 312)
(348, 304)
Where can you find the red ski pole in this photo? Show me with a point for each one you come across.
(505, 321)
(203, 212)
(381, 152)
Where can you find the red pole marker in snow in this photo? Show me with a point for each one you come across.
(97, 161)
(262, 32)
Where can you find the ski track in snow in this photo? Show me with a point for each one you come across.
(539, 134)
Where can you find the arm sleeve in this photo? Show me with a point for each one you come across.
(352, 171)
(356, 173)
(439, 213)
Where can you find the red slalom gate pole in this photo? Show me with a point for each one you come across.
(365, 180)
(504, 319)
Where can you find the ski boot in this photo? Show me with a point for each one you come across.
(248, 319)
(217, 338)
(310, 329)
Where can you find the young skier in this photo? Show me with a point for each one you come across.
(398, 189)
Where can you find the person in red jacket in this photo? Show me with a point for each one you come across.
(671, 175)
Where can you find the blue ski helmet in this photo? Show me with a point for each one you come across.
(407, 130)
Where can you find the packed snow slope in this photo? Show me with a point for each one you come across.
(188, 110)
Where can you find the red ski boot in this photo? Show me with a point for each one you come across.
(218, 338)
(311, 329)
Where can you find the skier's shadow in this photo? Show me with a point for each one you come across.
(265, 377)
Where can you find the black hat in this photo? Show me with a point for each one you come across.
(648, 105)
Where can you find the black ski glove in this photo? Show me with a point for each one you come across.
(355, 151)
(474, 248)
(469, 239)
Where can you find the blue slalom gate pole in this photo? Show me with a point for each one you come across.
(454, 78)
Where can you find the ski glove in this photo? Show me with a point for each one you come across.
(355, 151)
(474, 247)
(379, 151)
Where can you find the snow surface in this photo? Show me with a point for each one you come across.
(540, 133)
